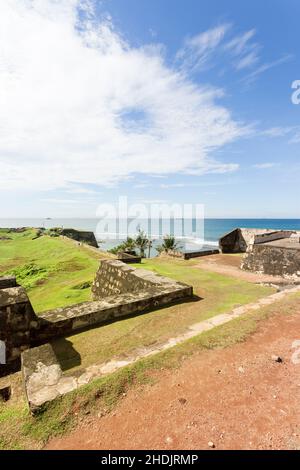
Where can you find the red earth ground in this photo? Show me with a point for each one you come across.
(237, 398)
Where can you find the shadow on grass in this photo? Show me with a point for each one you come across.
(69, 358)
(148, 311)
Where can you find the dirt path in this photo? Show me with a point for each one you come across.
(230, 265)
(238, 398)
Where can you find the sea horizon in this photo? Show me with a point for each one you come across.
(212, 230)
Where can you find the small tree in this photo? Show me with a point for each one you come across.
(129, 244)
(142, 242)
(169, 244)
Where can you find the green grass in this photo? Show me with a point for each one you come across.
(51, 269)
(18, 430)
(217, 294)
(57, 272)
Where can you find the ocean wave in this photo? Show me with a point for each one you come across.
(118, 237)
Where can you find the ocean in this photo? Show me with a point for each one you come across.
(206, 235)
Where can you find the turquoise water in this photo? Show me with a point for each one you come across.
(213, 228)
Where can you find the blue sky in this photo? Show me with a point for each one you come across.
(162, 101)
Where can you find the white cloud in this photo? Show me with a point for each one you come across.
(247, 61)
(198, 49)
(69, 87)
(60, 201)
(293, 132)
(141, 185)
(175, 185)
(277, 131)
(267, 66)
(199, 184)
(264, 166)
(245, 52)
(240, 44)
(240, 52)
(296, 138)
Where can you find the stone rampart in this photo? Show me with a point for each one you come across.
(114, 278)
(80, 236)
(273, 259)
(118, 291)
(17, 319)
(239, 239)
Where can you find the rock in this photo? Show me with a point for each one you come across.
(182, 401)
(169, 440)
(276, 358)
(241, 370)
(211, 445)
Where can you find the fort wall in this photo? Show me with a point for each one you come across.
(273, 260)
(118, 291)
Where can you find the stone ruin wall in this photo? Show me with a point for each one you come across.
(17, 319)
(273, 260)
(115, 278)
(238, 240)
(272, 236)
(80, 236)
(118, 291)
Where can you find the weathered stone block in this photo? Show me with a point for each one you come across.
(16, 316)
(7, 281)
(273, 259)
(43, 377)
(115, 278)
(238, 240)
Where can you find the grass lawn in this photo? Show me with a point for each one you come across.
(216, 294)
(51, 269)
(54, 270)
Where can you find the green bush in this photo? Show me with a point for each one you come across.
(30, 274)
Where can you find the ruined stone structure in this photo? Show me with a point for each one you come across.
(17, 319)
(118, 291)
(278, 258)
(43, 377)
(238, 240)
(129, 258)
(266, 251)
(115, 278)
(7, 281)
(192, 254)
(80, 236)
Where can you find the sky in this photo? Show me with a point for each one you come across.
(161, 101)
